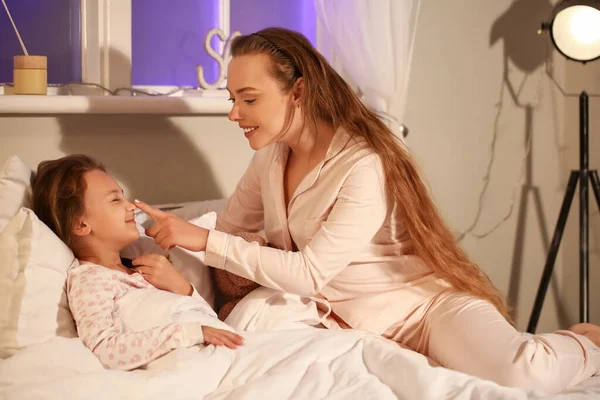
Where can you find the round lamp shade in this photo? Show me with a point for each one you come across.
(576, 30)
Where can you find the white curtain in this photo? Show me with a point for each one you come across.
(370, 44)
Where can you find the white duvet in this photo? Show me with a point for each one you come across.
(283, 358)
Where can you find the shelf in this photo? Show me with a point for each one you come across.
(163, 105)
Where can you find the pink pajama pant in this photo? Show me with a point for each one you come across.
(469, 335)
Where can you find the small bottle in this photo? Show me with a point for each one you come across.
(30, 75)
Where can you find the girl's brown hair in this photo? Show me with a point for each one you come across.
(329, 99)
(58, 190)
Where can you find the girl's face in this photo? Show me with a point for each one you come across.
(108, 217)
(260, 106)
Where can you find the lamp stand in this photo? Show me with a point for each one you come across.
(585, 176)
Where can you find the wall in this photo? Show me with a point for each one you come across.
(156, 159)
(479, 91)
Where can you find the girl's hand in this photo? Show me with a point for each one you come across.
(169, 230)
(221, 337)
(157, 270)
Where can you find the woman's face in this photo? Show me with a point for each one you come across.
(108, 215)
(260, 106)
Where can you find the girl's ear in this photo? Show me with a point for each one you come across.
(82, 228)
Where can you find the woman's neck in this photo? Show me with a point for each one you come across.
(310, 143)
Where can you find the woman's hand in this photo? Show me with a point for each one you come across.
(169, 230)
(157, 270)
(591, 331)
(221, 337)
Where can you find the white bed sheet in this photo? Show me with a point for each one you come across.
(292, 361)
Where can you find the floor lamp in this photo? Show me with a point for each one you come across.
(575, 32)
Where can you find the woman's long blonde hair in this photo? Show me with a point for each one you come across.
(329, 99)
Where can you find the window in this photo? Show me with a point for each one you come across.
(251, 16)
(140, 45)
(50, 28)
(168, 36)
(168, 41)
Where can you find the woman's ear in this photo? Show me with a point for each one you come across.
(298, 91)
(82, 228)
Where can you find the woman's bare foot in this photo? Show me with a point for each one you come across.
(590, 331)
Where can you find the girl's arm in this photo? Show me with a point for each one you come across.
(92, 293)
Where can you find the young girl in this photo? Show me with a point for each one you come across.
(340, 198)
(109, 297)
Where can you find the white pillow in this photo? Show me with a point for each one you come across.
(190, 209)
(33, 275)
(15, 188)
(190, 264)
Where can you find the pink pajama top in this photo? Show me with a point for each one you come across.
(339, 238)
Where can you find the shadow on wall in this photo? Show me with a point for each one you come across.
(527, 51)
(148, 154)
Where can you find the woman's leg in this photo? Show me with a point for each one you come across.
(469, 335)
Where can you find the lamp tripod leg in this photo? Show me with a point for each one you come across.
(553, 251)
(593, 174)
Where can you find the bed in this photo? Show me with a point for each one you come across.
(285, 356)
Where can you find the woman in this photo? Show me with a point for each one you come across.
(341, 200)
(127, 313)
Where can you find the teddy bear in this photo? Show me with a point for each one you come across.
(232, 288)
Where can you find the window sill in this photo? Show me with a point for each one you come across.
(162, 105)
